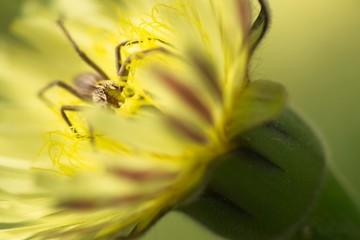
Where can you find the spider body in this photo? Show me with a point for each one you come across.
(100, 92)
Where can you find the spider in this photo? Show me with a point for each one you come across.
(96, 87)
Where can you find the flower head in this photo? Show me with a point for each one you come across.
(134, 137)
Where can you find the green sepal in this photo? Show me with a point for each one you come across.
(266, 185)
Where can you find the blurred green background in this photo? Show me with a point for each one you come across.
(313, 48)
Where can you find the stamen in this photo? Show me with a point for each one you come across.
(129, 91)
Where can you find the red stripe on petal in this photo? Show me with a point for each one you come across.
(186, 129)
(79, 204)
(186, 94)
(141, 175)
(209, 75)
(132, 198)
(244, 15)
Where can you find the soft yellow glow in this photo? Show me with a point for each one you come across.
(142, 143)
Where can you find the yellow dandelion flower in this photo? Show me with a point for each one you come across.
(162, 91)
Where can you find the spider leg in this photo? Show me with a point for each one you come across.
(75, 108)
(118, 55)
(62, 85)
(82, 55)
(123, 71)
(71, 108)
(118, 59)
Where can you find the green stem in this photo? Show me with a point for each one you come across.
(335, 216)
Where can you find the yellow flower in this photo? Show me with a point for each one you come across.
(134, 137)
